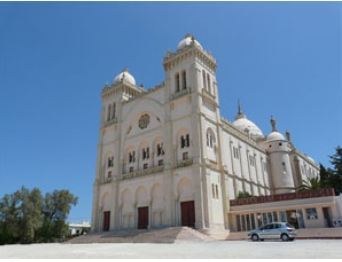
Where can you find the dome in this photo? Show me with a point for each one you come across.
(244, 124)
(274, 136)
(124, 76)
(187, 41)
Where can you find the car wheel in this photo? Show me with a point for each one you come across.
(284, 237)
(255, 237)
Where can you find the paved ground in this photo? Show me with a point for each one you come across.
(217, 249)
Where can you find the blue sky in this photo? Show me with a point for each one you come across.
(282, 59)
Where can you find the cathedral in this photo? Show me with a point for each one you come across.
(166, 157)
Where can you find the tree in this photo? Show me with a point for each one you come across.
(312, 183)
(243, 194)
(55, 209)
(26, 216)
(332, 177)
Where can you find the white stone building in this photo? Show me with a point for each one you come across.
(166, 157)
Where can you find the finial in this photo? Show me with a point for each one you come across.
(240, 113)
(273, 124)
(188, 35)
(125, 69)
(239, 107)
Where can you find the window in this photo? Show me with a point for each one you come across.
(145, 166)
(177, 82)
(238, 224)
(131, 157)
(213, 190)
(185, 156)
(282, 216)
(109, 174)
(311, 213)
(185, 141)
(284, 167)
(109, 112)
(161, 162)
(110, 161)
(280, 144)
(275, 216)
(253, 221)
(251, 160)
(204, 80)
(217, 194)
(160, 150)
(236, 152)
(209, 87)
(113, 111)
(131, 169)
(146, 153)
(184, 80)
(210, 139)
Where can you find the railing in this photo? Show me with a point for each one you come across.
(206, 93)
(110, 122)
(283, 197)
(184, 163)
(180, 93)
(143, 172)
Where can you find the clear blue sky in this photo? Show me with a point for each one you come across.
(278, 58)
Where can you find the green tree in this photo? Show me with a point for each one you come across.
(243, 194)
(55, 210)
(26, 216)
(312, 183)
(332, 177)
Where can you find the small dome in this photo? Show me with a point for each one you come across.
(275, 136)
(124, 76)
(187, 41)
(245, 124)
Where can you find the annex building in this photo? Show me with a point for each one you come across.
(166, 157)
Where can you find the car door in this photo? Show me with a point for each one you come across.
(268, 231)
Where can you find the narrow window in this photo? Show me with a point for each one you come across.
(109, 112)
(161, 162)
(182, 142)
(204, 80)
(185, 156)
(109, 175)
(113, 111)
(187, 140)
(184, 79)
(145, 166)
(217, 194)
(110, 161)
(131, 169)
(213, 190)
(209, 87)
(177, 82)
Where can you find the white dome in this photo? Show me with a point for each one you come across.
(124, 76)
(244, 124)
(187, 41)
(275, 136)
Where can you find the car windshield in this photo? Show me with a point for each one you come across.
(288, 225)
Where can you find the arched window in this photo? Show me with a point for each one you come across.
(210, 138)
(204, 80)
(184, 80)
(209, 87)
(109, 112)
(177, 81)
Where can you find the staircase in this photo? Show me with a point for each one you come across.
(164, 235)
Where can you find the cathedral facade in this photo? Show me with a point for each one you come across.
(166, 157)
